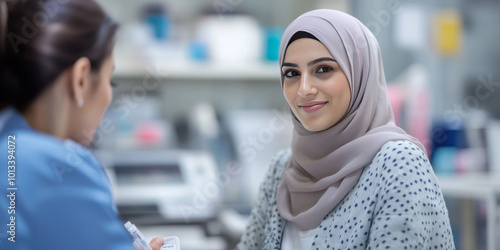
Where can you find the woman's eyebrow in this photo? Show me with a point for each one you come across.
(285, 64)
(309, 64)
(322, 59)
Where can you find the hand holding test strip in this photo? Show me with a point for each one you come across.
(169, 243)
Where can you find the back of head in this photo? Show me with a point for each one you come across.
(39, 39)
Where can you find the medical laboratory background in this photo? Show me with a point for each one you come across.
(198, 111)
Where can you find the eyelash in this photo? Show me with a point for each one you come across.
(329, 68)
(325, 69)
(285, 74)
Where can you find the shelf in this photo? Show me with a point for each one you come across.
(469, 183)
(189, 70)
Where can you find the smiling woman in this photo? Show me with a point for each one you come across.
(352, 179)
(315, 86)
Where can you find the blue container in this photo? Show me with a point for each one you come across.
(198, 51)
(272, 43)
(160, 25)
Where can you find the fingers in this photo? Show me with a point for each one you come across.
(156, 243)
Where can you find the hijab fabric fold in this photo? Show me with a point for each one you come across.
(326, 165)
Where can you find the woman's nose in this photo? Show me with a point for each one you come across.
(306, 87)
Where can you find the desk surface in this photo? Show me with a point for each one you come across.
(483, 186)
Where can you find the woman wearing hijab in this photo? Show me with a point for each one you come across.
(55, 69)
(352, 179)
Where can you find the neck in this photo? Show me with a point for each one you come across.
(48, 114)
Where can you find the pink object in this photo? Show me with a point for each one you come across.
(418, 118)
(396, 97)
(149, 133)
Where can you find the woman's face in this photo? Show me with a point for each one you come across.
(314, 85)
(96, 102)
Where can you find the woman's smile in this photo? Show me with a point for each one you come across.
(310, 107)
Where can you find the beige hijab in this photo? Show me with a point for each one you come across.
(326, 165)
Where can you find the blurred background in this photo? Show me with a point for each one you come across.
(198, 112)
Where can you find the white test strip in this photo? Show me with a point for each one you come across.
(171, 243)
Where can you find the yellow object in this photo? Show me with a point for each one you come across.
(448, 32)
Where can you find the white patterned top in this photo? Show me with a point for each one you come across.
(397, 204)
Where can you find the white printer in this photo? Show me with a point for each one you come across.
(180, 185)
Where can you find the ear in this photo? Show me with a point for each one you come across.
(80, 79)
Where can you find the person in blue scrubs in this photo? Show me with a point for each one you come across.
(56, 65)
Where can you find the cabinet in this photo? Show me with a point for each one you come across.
(484, 187)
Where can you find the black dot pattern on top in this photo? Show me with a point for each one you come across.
(396, 204)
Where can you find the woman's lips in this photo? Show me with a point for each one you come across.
(312, 106)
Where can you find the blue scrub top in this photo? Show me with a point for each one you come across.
(58, 193)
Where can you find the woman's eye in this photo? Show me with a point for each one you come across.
(324, 69)
(290, 73)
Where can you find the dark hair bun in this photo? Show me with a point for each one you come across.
(30, 65)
